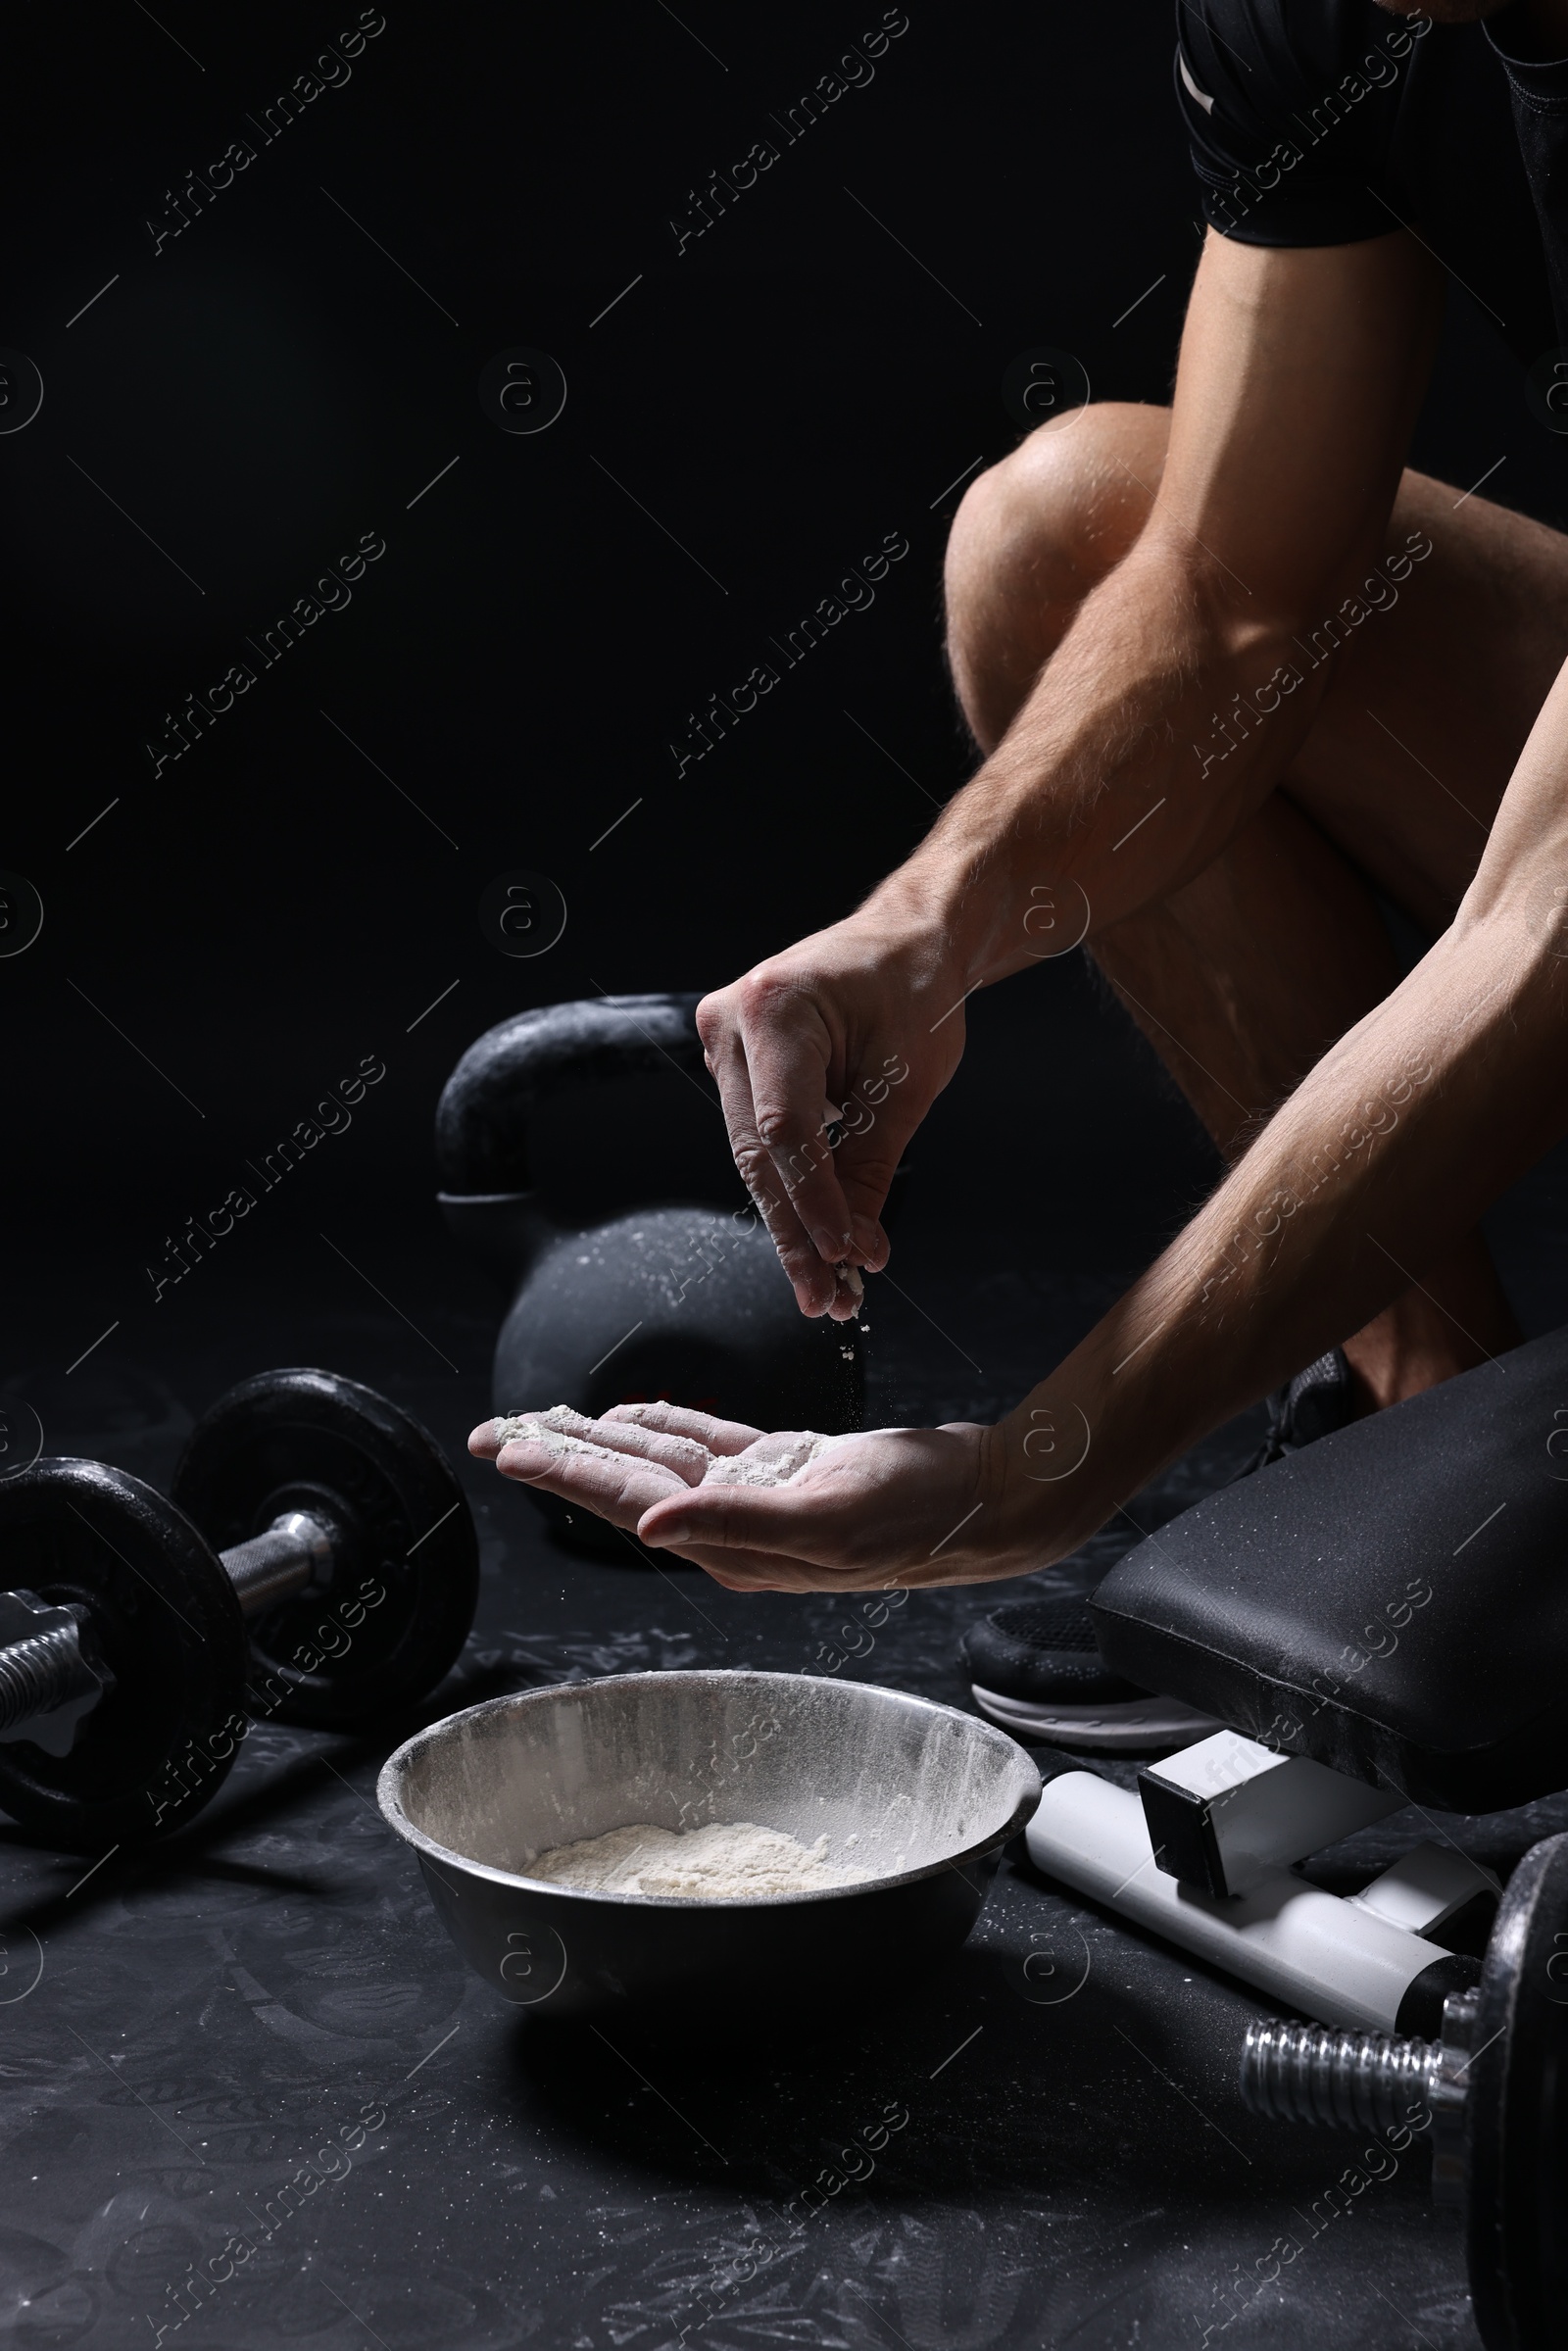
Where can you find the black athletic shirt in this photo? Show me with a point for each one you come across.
(1323, 122)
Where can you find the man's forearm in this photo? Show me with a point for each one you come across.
(1160, 723)
(1387, 1152)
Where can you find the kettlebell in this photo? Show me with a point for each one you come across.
(583, 1157)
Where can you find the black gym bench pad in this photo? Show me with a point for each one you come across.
(1392, 1599)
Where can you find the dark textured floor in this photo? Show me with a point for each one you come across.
(183, 2030)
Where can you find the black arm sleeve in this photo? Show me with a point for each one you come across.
(1540, 98)
(1292, 126)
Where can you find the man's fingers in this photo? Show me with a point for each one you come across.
(814, 1285)
(788, 1054)
(619, 1487)
(865, 1172)
(793, 1132)
(783, 1076)
(674, 1449)
(689, 1458)
(714, 1435)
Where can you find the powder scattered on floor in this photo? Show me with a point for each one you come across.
(724, 1862)
(776, 1459)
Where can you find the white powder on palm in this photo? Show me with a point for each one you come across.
(724, 1862)
(788, 1453)
(556, 1430)
(773, 1461)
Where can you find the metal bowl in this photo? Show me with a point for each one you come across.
(921, 1797)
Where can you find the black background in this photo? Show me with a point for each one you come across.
(234, 935)
(271, 385)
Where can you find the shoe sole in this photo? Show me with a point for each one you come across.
(1130, 1727)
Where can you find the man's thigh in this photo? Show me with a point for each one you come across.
(1434, 688)
(1432, 697)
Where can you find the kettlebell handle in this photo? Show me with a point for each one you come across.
(484, 1127)
(483, 1123)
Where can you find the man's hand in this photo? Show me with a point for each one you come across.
(894, 1508)
(827, 1059)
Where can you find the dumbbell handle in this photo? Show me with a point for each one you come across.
(280, 1561)
(1344, 2080)
(37, 1674)
(43, 1670)
(1371, 2081)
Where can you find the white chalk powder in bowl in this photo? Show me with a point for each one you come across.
(725, 1862)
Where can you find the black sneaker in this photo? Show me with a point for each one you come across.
(1035, 1665)
(1036, 1668)
(1317, 1402)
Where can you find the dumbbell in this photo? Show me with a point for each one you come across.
(315, 1560)
(1496, 2087)
(582, 1153)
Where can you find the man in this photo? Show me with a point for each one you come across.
(1231, 664)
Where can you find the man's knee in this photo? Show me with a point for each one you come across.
(1033, 535)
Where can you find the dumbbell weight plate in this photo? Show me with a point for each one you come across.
(313, 1441)
(165, 1619)
(1518, 2115)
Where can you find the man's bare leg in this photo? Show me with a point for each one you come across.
(1268, 956)
(1243, 978)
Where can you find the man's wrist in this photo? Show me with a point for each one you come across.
(978, 917)
(913, 920)
(1069, 1457)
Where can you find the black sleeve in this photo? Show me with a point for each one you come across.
(1291, 128)
(1540, 97)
